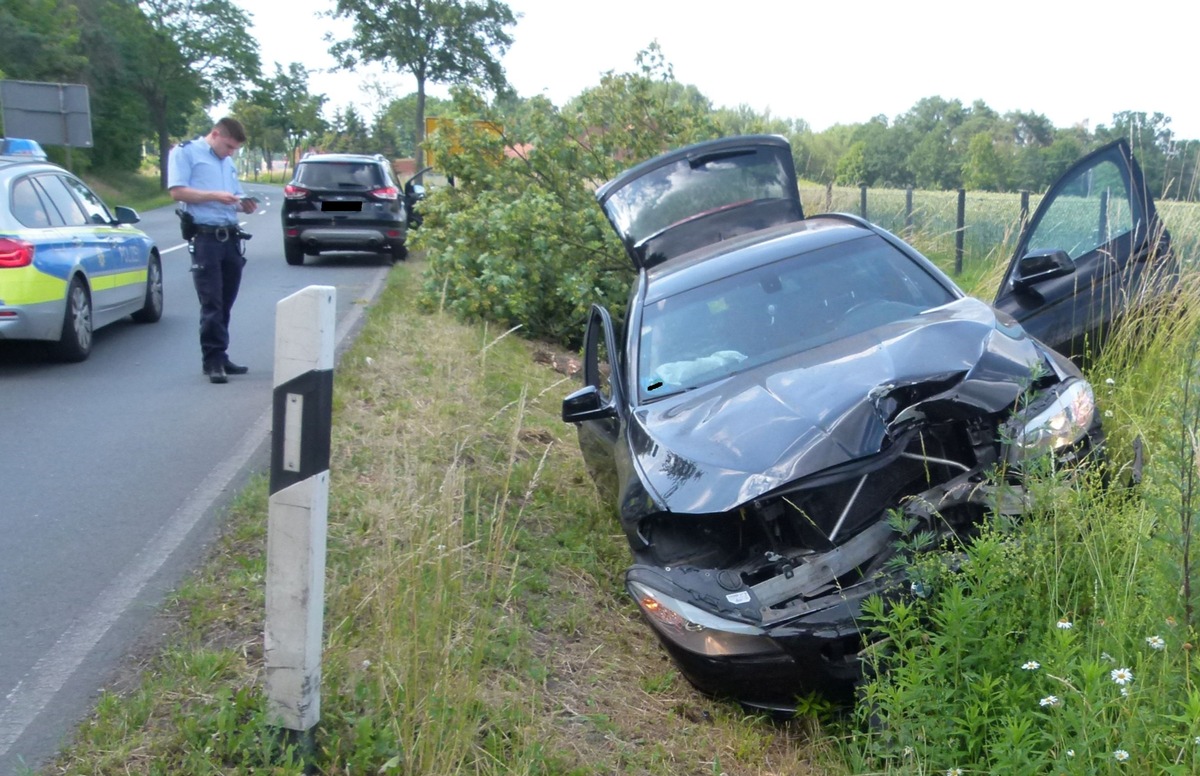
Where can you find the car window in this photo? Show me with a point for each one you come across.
(1088, 212)
(339, 175)
(773, 311)
(28, 207)
(93, 207)
(70, 211)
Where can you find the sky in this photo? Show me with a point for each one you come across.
(823, 62)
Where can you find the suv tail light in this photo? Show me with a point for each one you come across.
(15, 253)
(387, 192)
(294, 192)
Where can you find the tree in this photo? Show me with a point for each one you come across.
(293, 114)
(393, 125)
(191, 52)
(40, 41)
(436, 41)
(348, 134)
(852, 167)
(983, 168)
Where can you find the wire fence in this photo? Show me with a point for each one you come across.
(970, 231)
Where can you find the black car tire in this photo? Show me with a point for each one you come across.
(152, 310)
(294, 254)
(399, 252)
(76, 341)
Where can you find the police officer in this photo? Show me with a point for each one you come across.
(201, 174)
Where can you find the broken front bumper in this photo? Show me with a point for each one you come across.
(798, 632)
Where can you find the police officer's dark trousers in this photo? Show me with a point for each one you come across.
(217, 272)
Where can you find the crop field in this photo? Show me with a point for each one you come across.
(992, 221)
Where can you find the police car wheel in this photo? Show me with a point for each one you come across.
(152, 309)
(76, 341)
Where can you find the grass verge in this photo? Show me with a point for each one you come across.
(475, 619)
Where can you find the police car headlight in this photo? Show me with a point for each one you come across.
(1057, 419)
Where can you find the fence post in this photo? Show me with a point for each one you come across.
(829, 196)
(960, 226)
(1103, 225)
(298, 506)
(862, 200)
(1024, 207)
(908, 216)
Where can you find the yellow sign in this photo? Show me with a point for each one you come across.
(450, 127)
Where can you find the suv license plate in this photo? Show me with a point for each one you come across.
(345, 206)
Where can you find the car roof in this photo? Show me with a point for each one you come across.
(358, 158)
(745, 252)
(11, 166)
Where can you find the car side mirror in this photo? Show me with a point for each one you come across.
(126, 215)
(1035, 267)
(586, 404)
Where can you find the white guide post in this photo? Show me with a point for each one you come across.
(298, 507)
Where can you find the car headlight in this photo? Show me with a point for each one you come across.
(1055, 420)
(697, 630)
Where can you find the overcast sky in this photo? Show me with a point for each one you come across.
(828, 62)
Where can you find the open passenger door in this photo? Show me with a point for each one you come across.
(1093, 249)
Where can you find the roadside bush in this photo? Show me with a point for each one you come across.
(519, 238)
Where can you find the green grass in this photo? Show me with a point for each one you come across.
(140, 191)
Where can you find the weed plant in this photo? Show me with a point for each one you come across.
(1062, 643)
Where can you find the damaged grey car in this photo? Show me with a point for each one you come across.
(785, 391)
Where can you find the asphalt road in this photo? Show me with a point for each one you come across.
(114, 473)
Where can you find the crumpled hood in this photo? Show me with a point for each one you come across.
(714, 448)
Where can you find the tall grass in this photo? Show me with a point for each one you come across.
(1063, 643)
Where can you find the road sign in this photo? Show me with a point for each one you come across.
(50, 113)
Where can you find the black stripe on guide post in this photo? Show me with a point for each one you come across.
(315, 390)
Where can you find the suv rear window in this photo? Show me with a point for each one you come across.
(339, 175)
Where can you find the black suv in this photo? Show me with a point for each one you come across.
(343, 202)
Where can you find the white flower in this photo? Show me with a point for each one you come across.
(1031, 665)
(1108, 413)
(1121, 676)
(1050, 700)
(954, 772)
(1196, 740)
(1125, 692)
(1120, 755)
(1156, 642)
(1110, 381)
(1065, 624)
(1070, 753)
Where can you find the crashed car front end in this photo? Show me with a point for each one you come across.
(768, 505)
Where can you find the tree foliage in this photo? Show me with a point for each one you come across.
(191, 52)
(436, 41)
(520, 239)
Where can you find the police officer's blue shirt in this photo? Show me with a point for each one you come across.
(195, 165)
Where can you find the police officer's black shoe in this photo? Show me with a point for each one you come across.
(216, 374)
(235, 369)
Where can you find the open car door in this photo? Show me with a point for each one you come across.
(1094, 248)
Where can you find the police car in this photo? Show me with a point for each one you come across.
(68, 264)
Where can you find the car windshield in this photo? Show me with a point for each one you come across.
(796, 304)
